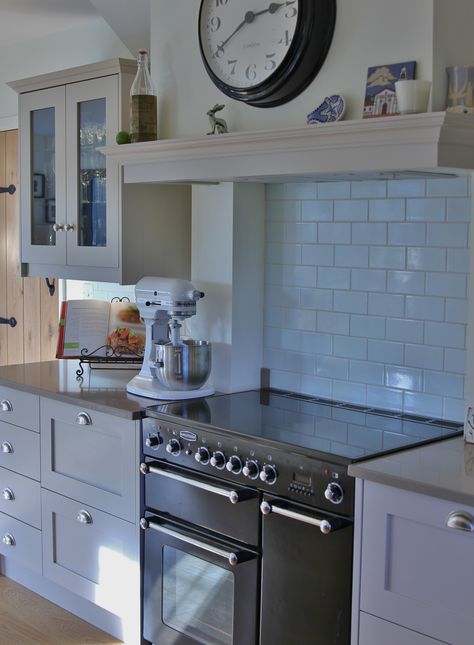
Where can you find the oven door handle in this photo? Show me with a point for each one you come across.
(234, 496)
(323, 525)
(232, 557)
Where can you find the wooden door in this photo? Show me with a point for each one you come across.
(26, 299)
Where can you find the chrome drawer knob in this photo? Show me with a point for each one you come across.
(84, 517)
(7, 447)
(8, 539)
(6, 405)
(58, 227)
(8, 494)
(69, 227)
(461, 521)
(84, 419)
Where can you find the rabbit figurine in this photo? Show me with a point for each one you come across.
(219, 126)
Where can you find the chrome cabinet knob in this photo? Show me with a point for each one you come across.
(8, 539)
(69, 227)
(334, 493)
(6, 405)
(58, 227)
(234, 465)
(461, 521)
(83, 419)
(218, 460)
(268, 474)
(173, 447)
(8, 494)
(251, 469)
(84, 517)
(7, 447)
(202, 455)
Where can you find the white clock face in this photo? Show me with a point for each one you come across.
(244, 42)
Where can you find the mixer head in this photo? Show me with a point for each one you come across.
(171, 296)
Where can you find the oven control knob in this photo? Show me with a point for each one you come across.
(218, 460)
(152, 441)
(251, 469)
(334, 493)
(173, 447)
(202, 455)
(234, 465)
(268, 474)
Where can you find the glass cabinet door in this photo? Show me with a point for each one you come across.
(91, 123)
(42, 118)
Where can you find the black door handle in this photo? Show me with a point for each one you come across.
(9, 189)
(8, 321)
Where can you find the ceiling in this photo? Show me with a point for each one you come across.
(24, 20)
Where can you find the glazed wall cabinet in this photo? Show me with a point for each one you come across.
(416, 570)
(77, 220)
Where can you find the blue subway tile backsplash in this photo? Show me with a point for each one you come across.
(366, 292)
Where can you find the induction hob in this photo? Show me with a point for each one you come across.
(346, 432)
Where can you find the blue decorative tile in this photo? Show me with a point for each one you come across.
(384, 351)
(371, 188)
(300, 233)
(445, 335)
(407, 234)
(448, 234)
(334, 190)
(367, 326)
(365, 372)
(368, 280)
(352, 256)
(407, 331)
(387, 210)
(333, 323)
(403, 378)
(426, 210)
(407, 282)
(333, 278)
(347, 347)
(316, 299)
(381, 304)
(373, 233)
(387, 257)
(350, 302)
(454, 360)
(334, 233)
(459, 209)
(444, 187)
(407, 188)
(446, 284)
(318, 254)
(330, 367)
(451, 385)
(424, 356)
(426, 259)
(320, 211)
(424, 308)
(351, 210)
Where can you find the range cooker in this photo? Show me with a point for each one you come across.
(248, 522)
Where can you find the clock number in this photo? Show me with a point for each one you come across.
(233, 64)
(292, 12)
(251, 72)
(270, 64)
(219, 51)
(214, 24)
(221, 3)
(285, 39)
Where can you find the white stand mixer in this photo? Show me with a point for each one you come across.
(163, 304)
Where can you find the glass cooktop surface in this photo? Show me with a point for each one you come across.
(329, 427)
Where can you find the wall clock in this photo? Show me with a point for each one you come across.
(265, 53)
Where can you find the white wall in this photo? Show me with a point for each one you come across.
(367, 32)
(93, 42)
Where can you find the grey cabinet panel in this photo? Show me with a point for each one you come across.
(20, 497)
(374, 631)
(20, 450)
(19, 408)
(95, 463)
(25, 546)
(416, 571)
(97, 559)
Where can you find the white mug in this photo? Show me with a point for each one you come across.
(412, 96)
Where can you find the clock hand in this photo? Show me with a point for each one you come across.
(250, 17)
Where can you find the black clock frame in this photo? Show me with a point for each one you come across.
(305, 57)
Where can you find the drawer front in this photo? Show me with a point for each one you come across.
(374, 631)
(20, 497)
(416, 571)
(20, 450)
(95, 462)
(19, 408)
(97, 558)
(20, 542)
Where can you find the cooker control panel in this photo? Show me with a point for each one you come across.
(251, 463)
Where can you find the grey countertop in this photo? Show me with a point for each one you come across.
(101, 390)
(444, 469)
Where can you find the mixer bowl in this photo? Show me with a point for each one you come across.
(183, 367)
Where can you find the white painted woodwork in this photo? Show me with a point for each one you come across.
(20, 408)
(25, 502)
(430, 142)
(94, 464)
(25, 455)
(375, 631)
(415, 571)
(27, 543)
(97, 560)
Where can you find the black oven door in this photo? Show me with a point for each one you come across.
(197, 588)
(306, 575)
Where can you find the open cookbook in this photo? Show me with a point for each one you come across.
(100, 328)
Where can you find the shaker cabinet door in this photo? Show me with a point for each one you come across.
(43, 176)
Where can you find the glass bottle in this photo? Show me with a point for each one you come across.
(143, 111)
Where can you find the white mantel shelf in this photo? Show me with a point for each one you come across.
(433, 142)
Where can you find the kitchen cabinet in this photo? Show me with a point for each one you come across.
(77, 220)
(415, 571)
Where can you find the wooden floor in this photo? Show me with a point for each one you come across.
(28, 619)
